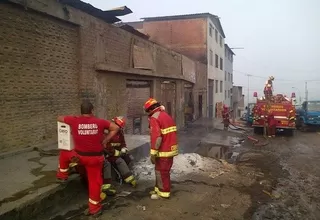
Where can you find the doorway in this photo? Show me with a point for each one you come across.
(200, 105)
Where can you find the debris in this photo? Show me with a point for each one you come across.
(123, 194)
(276, 194)
(183, 164)
(140, 207)
(269, 194)
(216, 174)
(225, 206)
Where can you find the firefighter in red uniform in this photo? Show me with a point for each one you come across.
(226, 117)
(88, 136)
(271, 125)
(268, 88)
(164, 146)
(117, 154)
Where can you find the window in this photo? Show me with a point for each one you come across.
(220, 41)
(210, 30)
(229, 93)
(217, 61)
(225, 75)
(221, 63)
(217, 86)
(216, 34)
(225, 94)
(229, 79)
(211, 58)
(221, 87)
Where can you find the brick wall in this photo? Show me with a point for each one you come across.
(48, 65)
(187, 37)
(38, 76)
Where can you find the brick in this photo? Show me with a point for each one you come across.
(172, 34)
(38, 71)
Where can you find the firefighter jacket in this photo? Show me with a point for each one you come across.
(225, 114)
(116, 144)
(163, 135)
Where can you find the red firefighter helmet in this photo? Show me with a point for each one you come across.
(150, 102)
(120, 121)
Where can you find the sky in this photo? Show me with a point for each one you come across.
(280, 38)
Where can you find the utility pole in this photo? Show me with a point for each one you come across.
(248, 75)
(306, 90)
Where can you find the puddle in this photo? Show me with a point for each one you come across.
(228, 152)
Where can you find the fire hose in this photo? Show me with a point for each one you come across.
(256, 142)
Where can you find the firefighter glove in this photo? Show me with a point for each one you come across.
(124, 150)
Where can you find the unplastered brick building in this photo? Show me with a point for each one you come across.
(200, 37)
(54, 53)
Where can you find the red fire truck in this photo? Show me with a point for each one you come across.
(282, 108)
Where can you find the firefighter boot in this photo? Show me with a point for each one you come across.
(95, 215)
(134, 183)
(108, 190)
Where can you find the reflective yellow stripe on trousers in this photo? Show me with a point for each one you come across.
(62, 170)
(169, 130)
(115, 144)
(93, 202)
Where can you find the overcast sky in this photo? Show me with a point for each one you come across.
(279, 37)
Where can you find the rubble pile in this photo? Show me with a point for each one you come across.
(183, 164)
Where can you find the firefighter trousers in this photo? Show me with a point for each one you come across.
(107, 178)
(121, 166)
(162, 171)
(93, 166)
(271, 130)
(65, 159)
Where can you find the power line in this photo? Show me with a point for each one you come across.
(277, 79)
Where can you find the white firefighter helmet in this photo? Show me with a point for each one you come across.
(271, 78)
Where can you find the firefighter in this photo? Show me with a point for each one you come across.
(88, 136)
(268, 88)
(271, 125)
(164, 146)
(117, 154)
(226, 117)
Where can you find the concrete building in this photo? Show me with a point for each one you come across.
(228, 75)
(55, 54)
(198, 36)
(237, 101)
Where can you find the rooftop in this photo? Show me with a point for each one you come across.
(108, 16)
(229, 49)
(132, 30)
(214, 18)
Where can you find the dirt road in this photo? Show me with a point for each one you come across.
(277, 181)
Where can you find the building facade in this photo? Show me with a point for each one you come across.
(237, 101)
(198, 36)
(55, 54)
(228, 75)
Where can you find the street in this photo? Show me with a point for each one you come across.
(277, 181)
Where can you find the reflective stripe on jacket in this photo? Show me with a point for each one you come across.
(163, 135)
(116, 143)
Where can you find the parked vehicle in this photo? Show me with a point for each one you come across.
(308, 116)
(283, 110)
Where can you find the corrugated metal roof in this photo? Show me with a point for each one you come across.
(107, 16)
(214, 18)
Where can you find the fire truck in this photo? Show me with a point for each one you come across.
(282, 108)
